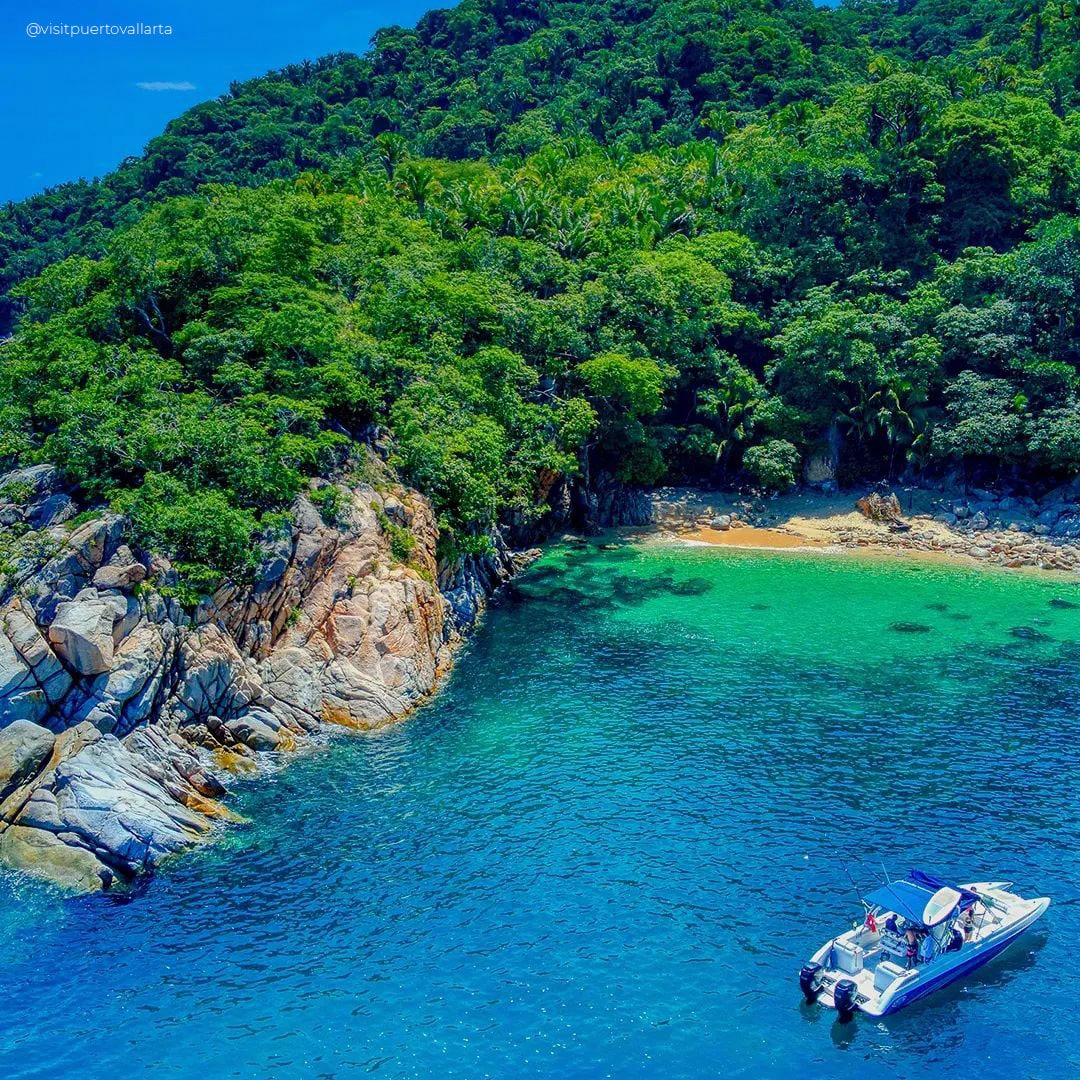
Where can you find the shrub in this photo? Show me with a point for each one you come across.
(200, 530)
(402, 542)
(773, 464)
(17, 492)
(330, 503)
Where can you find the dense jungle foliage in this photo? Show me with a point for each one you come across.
(702, 240)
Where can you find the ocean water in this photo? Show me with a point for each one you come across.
(606, 848)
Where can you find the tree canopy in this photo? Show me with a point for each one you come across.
(686, 240)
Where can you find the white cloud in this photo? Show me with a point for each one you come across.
(165, 85)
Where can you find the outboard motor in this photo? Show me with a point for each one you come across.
(844, 993)
(810, 981)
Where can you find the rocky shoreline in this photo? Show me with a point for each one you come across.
(1013, 532)
(124, 718)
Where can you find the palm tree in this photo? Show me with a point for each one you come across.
(417, 179)
(880, 414)
(392, 150)
(527, 206)
(729, 408)
(571, 231)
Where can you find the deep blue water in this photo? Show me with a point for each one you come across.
(607, 846)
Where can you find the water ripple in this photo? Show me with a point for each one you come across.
(607, 847)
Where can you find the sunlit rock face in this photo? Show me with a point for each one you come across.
(122, 715)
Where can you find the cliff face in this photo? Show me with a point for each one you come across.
(122, 717)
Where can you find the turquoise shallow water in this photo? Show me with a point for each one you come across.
(607, 846)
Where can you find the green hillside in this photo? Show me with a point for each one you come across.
(699, 241)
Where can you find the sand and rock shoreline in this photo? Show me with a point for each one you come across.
(976, 529)
(125, 720)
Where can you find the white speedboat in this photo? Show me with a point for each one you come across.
(919, 934)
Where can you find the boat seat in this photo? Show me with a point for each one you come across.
(849, 958)
(893, 945)
(885, 973)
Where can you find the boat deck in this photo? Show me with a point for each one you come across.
(861, 950)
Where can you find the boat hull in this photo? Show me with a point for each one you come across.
(981, 954)
(918, 982)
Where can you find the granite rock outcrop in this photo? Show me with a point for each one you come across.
(124, 717)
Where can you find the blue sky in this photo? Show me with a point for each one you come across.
(73, 106)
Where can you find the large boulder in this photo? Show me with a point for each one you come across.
(108, 801)
(82, 634)
(877, 507)
(122, 571)
(1068, 525)
(20, 695)
(258, 728)
(25, 748)
(18, 629)
(46, 856)
(51, 511)
(125, 696)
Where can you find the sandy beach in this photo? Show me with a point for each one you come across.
(1010, 538)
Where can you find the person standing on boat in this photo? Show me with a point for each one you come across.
(969, 922)
(912, 946)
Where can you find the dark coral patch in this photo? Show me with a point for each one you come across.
(696, 586)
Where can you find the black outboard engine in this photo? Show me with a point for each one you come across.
(844, 993)
(810, 981)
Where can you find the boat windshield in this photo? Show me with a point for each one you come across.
(920, 898)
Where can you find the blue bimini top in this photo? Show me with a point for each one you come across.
(911, 896)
